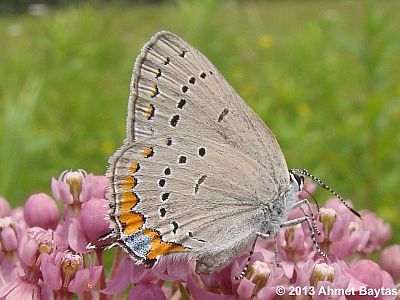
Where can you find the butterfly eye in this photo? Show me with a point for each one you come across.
(300, 181)
(298, 178)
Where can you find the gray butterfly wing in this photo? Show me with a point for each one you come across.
(174, 83)
(197, 162)
(188, 198)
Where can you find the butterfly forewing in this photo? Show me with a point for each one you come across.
(173, 79)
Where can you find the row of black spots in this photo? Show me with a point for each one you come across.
(182, 159)
(192, 80)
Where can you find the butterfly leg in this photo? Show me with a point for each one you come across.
(246, 266)
(306, 202)
(276, 250)
(307, 219)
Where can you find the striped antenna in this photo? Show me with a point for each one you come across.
(305, 172)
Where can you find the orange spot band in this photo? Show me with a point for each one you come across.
(159, 247)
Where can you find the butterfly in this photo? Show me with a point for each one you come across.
(199, 176)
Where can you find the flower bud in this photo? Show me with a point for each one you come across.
(92, 221)
(40, 210)
(258, 273)
(327, 217)
(8, 234)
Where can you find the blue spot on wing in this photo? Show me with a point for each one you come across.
(138, 243)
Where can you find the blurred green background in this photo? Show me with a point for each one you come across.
(324, 76)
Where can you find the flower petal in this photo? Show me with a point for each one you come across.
(245, 288)
(76, 238)
(121, 280)
(8, 238)
(80, 282)
(51, 273)
(28, 253)
(64, 193)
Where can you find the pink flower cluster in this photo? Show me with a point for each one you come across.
(44, 256)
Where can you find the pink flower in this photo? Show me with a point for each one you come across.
(390, 261)
(343, 232)
(321, 274)
(5, 208)
(34, 243)
(261, 281)
(92, 219)
(76, 188)
(40, 210)
(294, 244)
(64, 270)
(366, 273)
(36, 263)
(380, 232)
(174, 270)
(71, 189)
